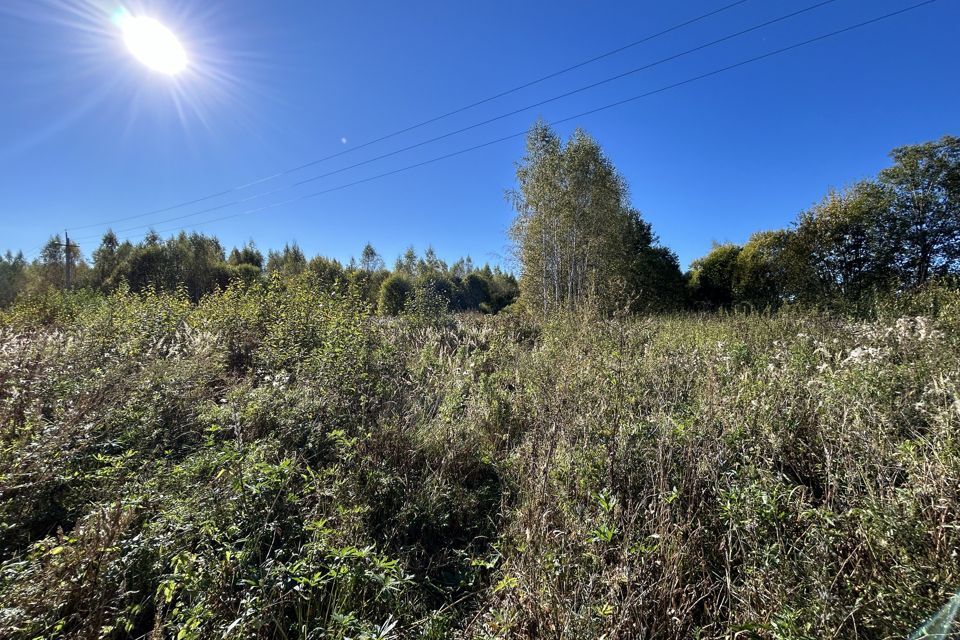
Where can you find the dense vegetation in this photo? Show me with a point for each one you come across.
(197, 264)
(867, 241)
(203, 444)
(578, 237)
(277, 462)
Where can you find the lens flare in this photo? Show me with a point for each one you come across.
(152, 44)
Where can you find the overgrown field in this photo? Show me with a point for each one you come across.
(275, 462)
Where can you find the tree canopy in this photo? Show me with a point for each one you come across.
(577, 237)
(875, 238)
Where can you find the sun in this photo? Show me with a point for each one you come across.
(153, 44)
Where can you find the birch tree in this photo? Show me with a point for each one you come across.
(575, 234)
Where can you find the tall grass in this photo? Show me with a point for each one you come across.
(275, 462)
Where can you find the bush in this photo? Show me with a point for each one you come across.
(275, 462)
(394, 293)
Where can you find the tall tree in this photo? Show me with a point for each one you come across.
(431, 266)
(50, 265)
(395, 291)
(105, 260)
(849, 249)
(370, 260)
(654, 280)
(289, 261)
(327, 271)
(462, 267)
(247, 254)
(12, 277)
(924, 185)
(572, 225)
(407, 263)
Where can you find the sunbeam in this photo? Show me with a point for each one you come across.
(198, 71)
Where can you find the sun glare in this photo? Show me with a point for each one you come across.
(153, 44)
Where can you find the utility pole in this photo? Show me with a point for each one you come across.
(67, 258)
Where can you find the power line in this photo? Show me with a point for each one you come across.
(502, 116)
(423, 123)
(605, 107)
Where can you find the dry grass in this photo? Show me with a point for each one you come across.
(275, 463)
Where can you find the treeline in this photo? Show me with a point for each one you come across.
(580, 241)
(199, 264)
(877, 237)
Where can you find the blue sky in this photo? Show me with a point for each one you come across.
(88, 134)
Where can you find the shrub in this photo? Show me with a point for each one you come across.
(272, 461)
(394, 293)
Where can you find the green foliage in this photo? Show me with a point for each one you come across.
(199, 446)
(428, 302)
(12, 277)
(233, 468)
(847, 247)
(656, 282)
(856, 247)
(923, 186)
(370, 260)
(576, 236)
(273, 461)
(476, 291)
(711, 280)
(247, 255)
(329, 272)
(580, 244)
(394, 293)
(764, 270)
(195, 264)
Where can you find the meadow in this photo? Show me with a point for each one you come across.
(275, 461)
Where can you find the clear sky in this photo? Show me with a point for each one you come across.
(88, 134)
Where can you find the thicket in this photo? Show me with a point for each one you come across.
(275, 461)
(198, 265)
(862, 243)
